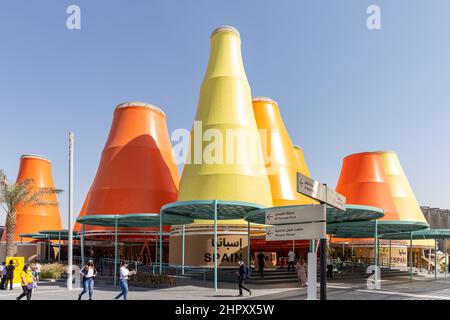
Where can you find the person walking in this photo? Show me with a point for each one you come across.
(124, 274)
(329, 268)
(2, 275)
(9, 275)
(242, 276)
(88, 273)
(261, 262)
(291, 259)
(301, 272)
(27, 281)
(37, 271)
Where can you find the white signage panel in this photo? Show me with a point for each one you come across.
(297, 214)
(314, 189)
(304, 231)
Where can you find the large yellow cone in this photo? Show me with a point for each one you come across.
(301, 163)
(405, 201)
(281, 161)
(223, 167)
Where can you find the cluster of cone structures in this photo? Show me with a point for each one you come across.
(137, 171)
(32, 218)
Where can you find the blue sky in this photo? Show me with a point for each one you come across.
(341, 87)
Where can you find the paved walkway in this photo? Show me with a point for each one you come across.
(399, 288)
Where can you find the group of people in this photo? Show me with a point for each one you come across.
(295, 263)
(29, 278)
(333, 262)
(89, 272)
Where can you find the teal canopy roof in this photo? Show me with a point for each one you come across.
(204, 209)
(419, 235)
(366, 229)
(133, 220)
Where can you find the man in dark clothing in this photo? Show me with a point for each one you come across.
(242, 275)
(261, 262)
(9, 275)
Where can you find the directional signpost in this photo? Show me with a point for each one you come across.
(299, 223)
(327, 196)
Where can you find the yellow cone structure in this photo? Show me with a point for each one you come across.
(301, 163)
(280, 158)
(225, 155)
(405, 201)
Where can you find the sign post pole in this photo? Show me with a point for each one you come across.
(323, 256)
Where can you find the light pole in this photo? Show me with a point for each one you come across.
(70, 226)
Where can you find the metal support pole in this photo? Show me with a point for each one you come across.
(390, 254)
(156, 250)
(376, 245)
(182, 256)
(445, 257)
(376, 251)
(215, 245)
(323, 255)
(160, 242)
(410, 258)
(248, 244)
(115, 251)
(59, 246)
(435, 259)
(70, 209)
(48, 248)
(82, 245)
(323, 269)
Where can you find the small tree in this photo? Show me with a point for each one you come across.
(15, 196)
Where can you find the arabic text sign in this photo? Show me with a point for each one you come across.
(314, 189)
(297, 214)
(305, 231)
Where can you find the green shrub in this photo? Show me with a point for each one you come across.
(52, 271)
(153, 279)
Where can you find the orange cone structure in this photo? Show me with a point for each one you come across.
(281, 163)
(405, 201)
(363, 181)
(137, 171)
(32, 219)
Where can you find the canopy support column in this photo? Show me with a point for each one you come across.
(59, 246)
(160, 242)
(410, 258)
(248, 244)
(215, 245)
(115, 251)
(390, 254)
(82, 245)
(183, 248)
(435, 259)
(376, 245)
(445, 257)
(156, 252)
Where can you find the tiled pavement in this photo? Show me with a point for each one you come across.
(399, 288)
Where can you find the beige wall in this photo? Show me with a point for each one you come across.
(30, 251)
(199, 249)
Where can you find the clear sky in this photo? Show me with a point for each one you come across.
(341, 87)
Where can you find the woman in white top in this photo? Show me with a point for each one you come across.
(88, 272)
(124, 274)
